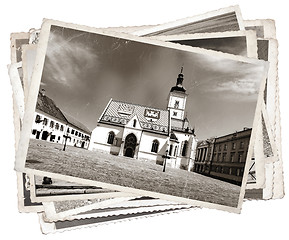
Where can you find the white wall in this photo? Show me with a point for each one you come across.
(73, 141)
(146, 145)
(100, 134)
(41, 127)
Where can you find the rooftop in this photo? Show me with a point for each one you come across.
(47, 105)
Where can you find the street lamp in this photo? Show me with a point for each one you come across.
(65, 137)
(165, 157)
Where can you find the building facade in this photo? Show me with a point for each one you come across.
(224, 157)
(145, 132)
(53, 125)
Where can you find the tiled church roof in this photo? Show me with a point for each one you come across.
(151, 119)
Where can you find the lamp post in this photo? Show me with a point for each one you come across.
(165, 157)
(65, 137)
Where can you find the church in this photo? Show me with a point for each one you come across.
(144, 132)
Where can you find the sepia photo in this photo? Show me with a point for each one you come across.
(128, 114)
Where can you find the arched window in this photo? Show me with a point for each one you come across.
(52, 124)
(155, 146)
(171, 150)
(110, 138)
(56, 126)
(185, 146)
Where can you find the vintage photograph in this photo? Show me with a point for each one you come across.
(134, 113)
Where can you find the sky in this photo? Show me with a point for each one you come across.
(83, 70)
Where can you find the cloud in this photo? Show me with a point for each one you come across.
(68, 60)
(224, 77)
(244, 86)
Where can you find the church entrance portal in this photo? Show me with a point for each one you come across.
(130, 145)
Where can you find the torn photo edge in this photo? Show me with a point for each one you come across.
(60, 211)
(37, 74)
(23, 194)
(183, 25)
(266, 32)
(61, 226)
(107, 209)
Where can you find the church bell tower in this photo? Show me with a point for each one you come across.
(177, 99)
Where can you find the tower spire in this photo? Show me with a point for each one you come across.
(177, 98)
(180, 79)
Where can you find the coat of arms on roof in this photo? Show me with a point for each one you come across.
(152, 115)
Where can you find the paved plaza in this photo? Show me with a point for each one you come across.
(129, 172)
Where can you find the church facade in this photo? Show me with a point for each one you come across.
(145, 132)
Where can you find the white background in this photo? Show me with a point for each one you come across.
(258, 220)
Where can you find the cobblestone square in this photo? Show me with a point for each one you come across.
(129, 172)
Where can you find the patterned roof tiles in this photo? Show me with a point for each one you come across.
(151, 119)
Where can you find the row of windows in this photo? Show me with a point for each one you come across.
(228, 170)
(233, 146)
(52, 124)
(219, 169)
(76, 133)
(233, 157)
(51, 137)
(58, 126)
(155, 145)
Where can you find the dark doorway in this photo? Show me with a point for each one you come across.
(130, 145)
(82, 144)
(45, 135)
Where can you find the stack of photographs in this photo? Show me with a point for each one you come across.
(121, 123)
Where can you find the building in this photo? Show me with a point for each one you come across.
(224, 157)
(145, 132)
(53, 125)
